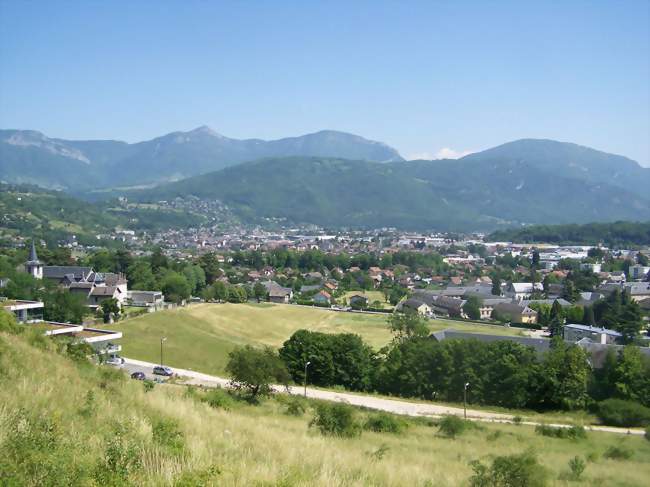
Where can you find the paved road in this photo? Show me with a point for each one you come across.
(396, 406)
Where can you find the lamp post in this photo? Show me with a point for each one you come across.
(465, 400)
(162, 339)
(305, 381)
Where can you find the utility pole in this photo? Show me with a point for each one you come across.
(305, 381)
(162, 339)
(465, 399)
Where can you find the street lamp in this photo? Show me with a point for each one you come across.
(162, 339)
(465, 400)
(305, 381)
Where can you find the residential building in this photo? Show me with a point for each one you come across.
(516, 312)
(576, 332)
(638, 272)
(415, 306)
(523, 290)
(149, 299)
(322, 297)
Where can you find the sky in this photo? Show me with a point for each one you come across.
(432, 79)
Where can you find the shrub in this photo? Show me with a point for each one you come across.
(295, 407)
(336, 419)
(385, 423)
(517, 419)
(647, 433)
(620, 452)
(577, 466)
(121, 458)
(618, 412)
(167, 434)
(522, 470)
(452, 426)
(148, 385)
(573, 433)
(218, 399)
(494, 435)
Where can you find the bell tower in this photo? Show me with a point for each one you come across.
(33, 266)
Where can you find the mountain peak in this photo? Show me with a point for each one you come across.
(205, 130)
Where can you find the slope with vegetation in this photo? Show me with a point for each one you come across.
(409, 195)
(617, 234)
(64, 421)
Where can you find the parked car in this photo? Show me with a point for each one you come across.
(116, 361)
(163, 370)
(138, 376)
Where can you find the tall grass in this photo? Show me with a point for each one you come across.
(67, 423)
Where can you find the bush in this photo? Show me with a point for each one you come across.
(573, 433)
(517, 420)
(167, 434)
(385, 423)
(148, 385)
(577, 466)
(618, 412)
(647, 433)
(522, 470)
(452, 426)
(336, 419)
(218, 399)
(620, 452)
(295, 406)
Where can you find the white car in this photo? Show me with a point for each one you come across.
(115, 361)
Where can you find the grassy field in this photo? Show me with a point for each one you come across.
(200, 336)
(83, 425)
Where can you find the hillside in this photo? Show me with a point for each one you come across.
(611, 234)
(66, 422)
(569, 160)
(31, 157)
(444, 195)
(52, 215)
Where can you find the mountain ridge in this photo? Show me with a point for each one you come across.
(31, 157)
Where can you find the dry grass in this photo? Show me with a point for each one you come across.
(259, 445)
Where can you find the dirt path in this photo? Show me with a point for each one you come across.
(396, 406)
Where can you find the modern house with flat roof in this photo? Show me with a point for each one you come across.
(24, 311)
(576, 332)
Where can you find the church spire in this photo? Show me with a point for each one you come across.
(32, 253)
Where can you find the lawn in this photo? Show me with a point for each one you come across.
(200, 336)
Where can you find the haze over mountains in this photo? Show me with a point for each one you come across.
(337, 179)
(31, 157)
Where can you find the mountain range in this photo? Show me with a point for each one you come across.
(337, 179)
(27, 156)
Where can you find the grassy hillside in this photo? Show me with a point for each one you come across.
(199, 337)
(66, 423)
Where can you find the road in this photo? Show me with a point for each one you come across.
(395, 406)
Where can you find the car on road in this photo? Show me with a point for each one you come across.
(138, 376)
(116, 361)
(163, 370)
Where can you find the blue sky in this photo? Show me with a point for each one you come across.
(429, 78)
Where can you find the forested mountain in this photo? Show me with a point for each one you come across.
(570, 161)
(31, 157)
(611, 234)
(447, 195)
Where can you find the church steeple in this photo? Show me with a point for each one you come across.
(33, 266)
(32, 254)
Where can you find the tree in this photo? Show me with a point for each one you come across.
(175, 287)
(588, 317)
(472, 308)
(535, 260)
(570, 293)
(641, 259)
(237, 294)
(141, 276)
(260, 292)
(496, 286)
(220, 291)
(253, 371)
(564, 376)
(407, 325)
(158, 260)
(64, 307)
(110, 309)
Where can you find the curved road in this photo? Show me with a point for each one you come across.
(396, 406)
